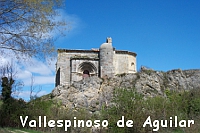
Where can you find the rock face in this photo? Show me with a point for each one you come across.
(82, 94)
(93, 92)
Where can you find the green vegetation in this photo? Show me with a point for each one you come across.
(26, 27)
(148, 72)
(1, 102)
(121, 75)
(11, 111)
(7, 87)
(133, 106)
(17, 130)
(126, 102)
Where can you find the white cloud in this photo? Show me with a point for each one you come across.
(42, 72)
(23, 74)
(39, 67)
(26, 94)
(42, 80)
(4, 61)
(73, 23)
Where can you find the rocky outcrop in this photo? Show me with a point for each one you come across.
(92, 93)
(86, 93)
(152, 82)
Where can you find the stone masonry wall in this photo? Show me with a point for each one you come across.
(124, 63)
(63, 62)
(132, 64)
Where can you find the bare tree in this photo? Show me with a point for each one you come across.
(26, 26)
(8, 75)
(34, 94)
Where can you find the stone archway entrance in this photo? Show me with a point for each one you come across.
(78, 66)
(89, 67)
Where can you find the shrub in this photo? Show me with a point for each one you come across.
(133, 106)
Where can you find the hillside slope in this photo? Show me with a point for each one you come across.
(91, 93)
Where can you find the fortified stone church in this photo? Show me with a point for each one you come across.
(103, 62)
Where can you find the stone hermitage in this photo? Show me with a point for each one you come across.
(164, 123)
(104, 61)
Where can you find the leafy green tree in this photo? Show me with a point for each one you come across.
(25, 27)
(6, 88)
(127, 103)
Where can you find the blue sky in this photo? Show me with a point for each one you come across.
(164, 34)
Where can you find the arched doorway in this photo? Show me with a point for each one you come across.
(79, 66)
(87, 66)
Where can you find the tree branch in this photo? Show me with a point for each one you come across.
(14, 49)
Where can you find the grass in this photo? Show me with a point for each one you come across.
(174, 131)
(3, 130)
(17, 130)
(24, 130)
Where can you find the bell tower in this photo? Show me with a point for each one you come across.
(106, 59)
